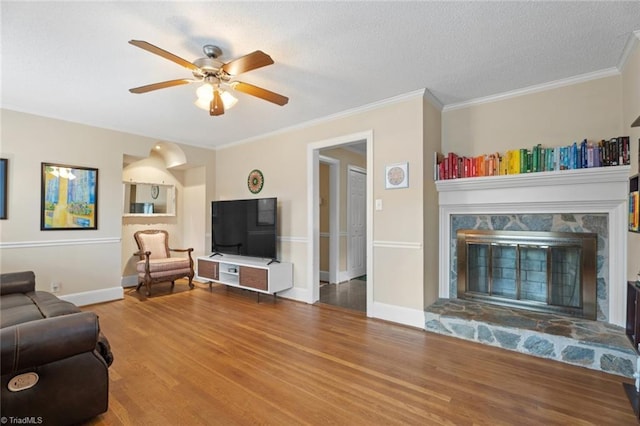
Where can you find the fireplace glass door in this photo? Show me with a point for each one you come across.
(534, 270)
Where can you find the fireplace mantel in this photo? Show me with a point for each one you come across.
(595, 190)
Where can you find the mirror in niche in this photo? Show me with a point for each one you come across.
(146, 199)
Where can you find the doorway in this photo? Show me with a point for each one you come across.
(340, 222)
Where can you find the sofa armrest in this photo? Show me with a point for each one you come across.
(17, 282)
(47, 340)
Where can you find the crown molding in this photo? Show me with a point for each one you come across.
(348, 113)
(632, 42)
(582, 78)
(433, 100)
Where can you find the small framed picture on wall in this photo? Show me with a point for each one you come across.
(397, 176)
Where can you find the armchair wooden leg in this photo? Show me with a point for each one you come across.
(148, 288)
(191, 282)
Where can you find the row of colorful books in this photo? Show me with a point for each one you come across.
(634, 204)
(581, 155)
(634, 211)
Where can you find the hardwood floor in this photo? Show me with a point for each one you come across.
(350, 295)
(218, 357)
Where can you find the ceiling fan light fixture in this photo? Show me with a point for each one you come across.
(205, 96)
(205, 92)
(228, 99)
(215, 74)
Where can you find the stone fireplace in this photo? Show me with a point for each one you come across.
(539, 271)
(513, 273)
(572, 201)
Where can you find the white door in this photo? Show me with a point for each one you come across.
(357, 222)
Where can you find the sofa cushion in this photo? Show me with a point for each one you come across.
(17, 282)
(19, 315)
(13, 300)
(50, 305)
(19, 308)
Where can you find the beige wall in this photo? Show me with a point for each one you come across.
(596, 109)
(347, 158)
(553, 117)
(325, 204)
(151, 170)
(84, 261)
(397, 137)
(631, 111)
(432, 134)
(405, 235)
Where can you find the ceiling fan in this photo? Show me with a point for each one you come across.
(216, 75)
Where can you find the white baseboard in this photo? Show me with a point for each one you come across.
(397, 314)
(298, 294)
(94, 296)
(343, 276)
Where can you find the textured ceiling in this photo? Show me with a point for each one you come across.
(71, 60)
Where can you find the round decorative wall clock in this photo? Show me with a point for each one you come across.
(155, 191)
(255, 181)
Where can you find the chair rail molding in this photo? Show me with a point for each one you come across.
(59, 243)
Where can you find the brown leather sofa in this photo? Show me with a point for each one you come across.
(54, 359)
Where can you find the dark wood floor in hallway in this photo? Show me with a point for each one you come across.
(220, 357)
(350, 295)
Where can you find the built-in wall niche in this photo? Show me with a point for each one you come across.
(149, 199)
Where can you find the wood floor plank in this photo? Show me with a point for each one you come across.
(218, 357)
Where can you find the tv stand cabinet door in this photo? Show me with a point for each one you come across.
(254, 278)
(208, 269)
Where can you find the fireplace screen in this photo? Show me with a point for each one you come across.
(543, 271)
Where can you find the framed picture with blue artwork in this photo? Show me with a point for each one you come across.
(69, 197)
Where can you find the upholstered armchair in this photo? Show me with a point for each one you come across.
(156, 264)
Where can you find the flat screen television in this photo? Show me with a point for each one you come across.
(244, 227)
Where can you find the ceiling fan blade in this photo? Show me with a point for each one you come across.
(161, 52)
(161, 85)
(261, 93)
(216, 107)
(248, 62)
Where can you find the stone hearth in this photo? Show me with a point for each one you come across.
(593, 344)
(584, 200)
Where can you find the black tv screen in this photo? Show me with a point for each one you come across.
(245, 227)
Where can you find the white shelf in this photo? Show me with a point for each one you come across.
(261, 275)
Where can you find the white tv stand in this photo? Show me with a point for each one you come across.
(249, 273)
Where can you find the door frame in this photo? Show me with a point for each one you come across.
(313, 214)
(334, 217)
